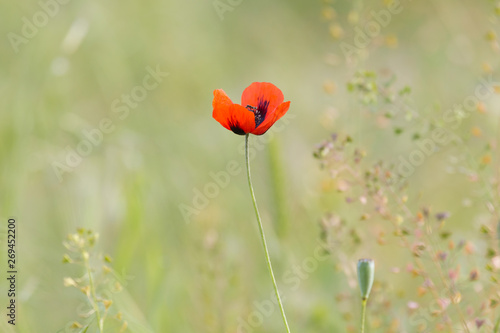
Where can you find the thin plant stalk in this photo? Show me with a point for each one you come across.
(92, 296)
(263, 237)
(363, 315)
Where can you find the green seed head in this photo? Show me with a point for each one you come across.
(366, 273)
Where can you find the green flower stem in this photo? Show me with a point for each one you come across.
(363, 315)
(263, 237)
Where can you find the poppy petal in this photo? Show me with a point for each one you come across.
(274, 117)
(221, 106)
(264, 96)
(232, 116)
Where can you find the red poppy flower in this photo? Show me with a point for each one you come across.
(261, 106)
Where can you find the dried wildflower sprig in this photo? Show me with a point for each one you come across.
(373, 187)
(81, 252)
(436, 257)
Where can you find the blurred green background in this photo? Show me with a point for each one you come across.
(205, 273)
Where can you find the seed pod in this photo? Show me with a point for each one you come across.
(366, 273)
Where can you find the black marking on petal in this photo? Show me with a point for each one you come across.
(263, 105)
(236, 129)
(259, 111)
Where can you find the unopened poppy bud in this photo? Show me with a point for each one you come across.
(366, 273)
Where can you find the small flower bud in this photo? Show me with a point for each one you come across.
(85, 290)
(107, 303)
(76, 325)
(366, 273)
(69, 282)
(67, 259)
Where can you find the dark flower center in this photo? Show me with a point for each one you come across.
(259, 111)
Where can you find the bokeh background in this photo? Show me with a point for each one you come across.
(205, 272)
